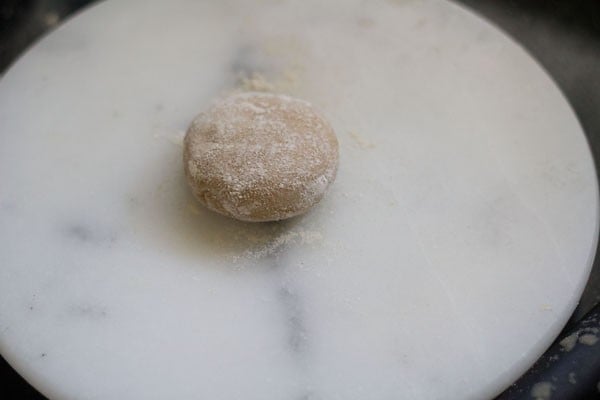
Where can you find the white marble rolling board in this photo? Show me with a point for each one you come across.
(446, 257)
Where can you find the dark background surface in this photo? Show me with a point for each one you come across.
(563, 35)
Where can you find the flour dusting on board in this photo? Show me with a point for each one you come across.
(268, 245)
(286, 81)
(174, 137)
(361, 141)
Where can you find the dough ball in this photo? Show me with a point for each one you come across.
(260, 157)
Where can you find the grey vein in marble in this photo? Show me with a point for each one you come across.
(87, 234)
(298, 335)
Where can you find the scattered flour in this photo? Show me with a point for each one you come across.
(572, 378)
(588, 339)
(569, 342)
(361, 141)
(267, 246)
(193, 208)
(586, 336)
(51, 19)
(256, 83)
(287, 81)
(175, 137)
(542, 391)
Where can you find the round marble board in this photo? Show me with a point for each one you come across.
(447, 255)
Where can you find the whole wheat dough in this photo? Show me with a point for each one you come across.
(260, 157)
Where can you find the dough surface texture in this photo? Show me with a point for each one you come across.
(260, 157)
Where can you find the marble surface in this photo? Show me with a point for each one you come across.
(446, 257)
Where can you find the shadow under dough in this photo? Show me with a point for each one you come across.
(168, 217)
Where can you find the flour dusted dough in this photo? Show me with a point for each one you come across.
(260, 156)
